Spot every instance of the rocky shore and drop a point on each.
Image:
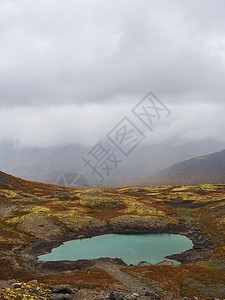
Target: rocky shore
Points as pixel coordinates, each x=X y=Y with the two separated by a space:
x=202 y=247
x=35 y=218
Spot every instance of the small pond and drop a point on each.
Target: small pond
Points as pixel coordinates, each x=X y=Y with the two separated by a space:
x=131 y=248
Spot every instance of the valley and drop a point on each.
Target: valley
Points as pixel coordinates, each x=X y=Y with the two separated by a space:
x=38 y=217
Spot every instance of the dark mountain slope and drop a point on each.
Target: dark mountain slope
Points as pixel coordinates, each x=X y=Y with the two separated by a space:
x=203 y=169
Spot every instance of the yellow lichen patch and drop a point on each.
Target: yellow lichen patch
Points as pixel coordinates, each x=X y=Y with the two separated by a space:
x=132 y=221
x=12 y=221
x=9 y=193
x=155 y=188
x=26 y=291
x=141 y=209
x=36 y=209
x=209 y=187
x=77 y=221
x=98 y=201
x=182 y=188
x=193 y=197
x=38 y=224
x=222 y=221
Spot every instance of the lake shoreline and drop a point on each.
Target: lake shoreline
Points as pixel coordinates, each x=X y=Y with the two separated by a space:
x=132 y=248
x=201 y=249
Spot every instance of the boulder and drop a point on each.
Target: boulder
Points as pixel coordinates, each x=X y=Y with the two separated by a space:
x=62 y=297
x=149 y=296
x=62 y=289
x=134 y=296
x=34 y=281
x=142 y=264
x=165 y=263
x=152 y=296
x=116 y=296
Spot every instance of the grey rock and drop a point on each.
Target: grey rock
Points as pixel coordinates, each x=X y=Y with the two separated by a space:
x=149 y=295
x=62 y=297
x=165 y=263
x=134 y=296
x=34 y=281
x=142 y=264
x=13 y=281
x=34 y=291
x=17 y=285
x=62 y=289
x=115 y=296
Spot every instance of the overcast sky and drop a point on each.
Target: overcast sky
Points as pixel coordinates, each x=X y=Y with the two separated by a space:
x=70 y=70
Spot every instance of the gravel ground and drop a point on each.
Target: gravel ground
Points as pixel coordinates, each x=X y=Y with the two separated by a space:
x=133 y=284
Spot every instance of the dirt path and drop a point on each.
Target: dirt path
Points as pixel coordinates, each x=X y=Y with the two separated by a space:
x=131 y=283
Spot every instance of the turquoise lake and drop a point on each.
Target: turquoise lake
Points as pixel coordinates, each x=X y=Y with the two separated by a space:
x=131 y=248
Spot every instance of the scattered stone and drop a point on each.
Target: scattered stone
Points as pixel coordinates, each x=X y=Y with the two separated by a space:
x=142 y=264
x=80 y=236
x=5 y=284
x=34 y=291
x=115 y=296
x=13 y=281
x=165 y=263
x=62 y=289
x=62 y=297
x=17 y=285
x=34 y=281
x=149 y=296
x=134 y=296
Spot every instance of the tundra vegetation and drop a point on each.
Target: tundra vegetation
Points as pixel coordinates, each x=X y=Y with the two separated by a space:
x=31 y=211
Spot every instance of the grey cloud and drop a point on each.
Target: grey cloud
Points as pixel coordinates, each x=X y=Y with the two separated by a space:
x=86 y=125
x=92 y=51
x=64 y=56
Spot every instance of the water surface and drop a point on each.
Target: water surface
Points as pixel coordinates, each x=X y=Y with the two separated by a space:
x=131 y=248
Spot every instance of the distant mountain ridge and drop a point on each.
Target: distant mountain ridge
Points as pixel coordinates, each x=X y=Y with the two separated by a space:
x=48 y=165
x=202 y=169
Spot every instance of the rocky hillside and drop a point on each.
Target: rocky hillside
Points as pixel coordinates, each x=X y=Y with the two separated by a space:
x=35 y=217
x=199 y=170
